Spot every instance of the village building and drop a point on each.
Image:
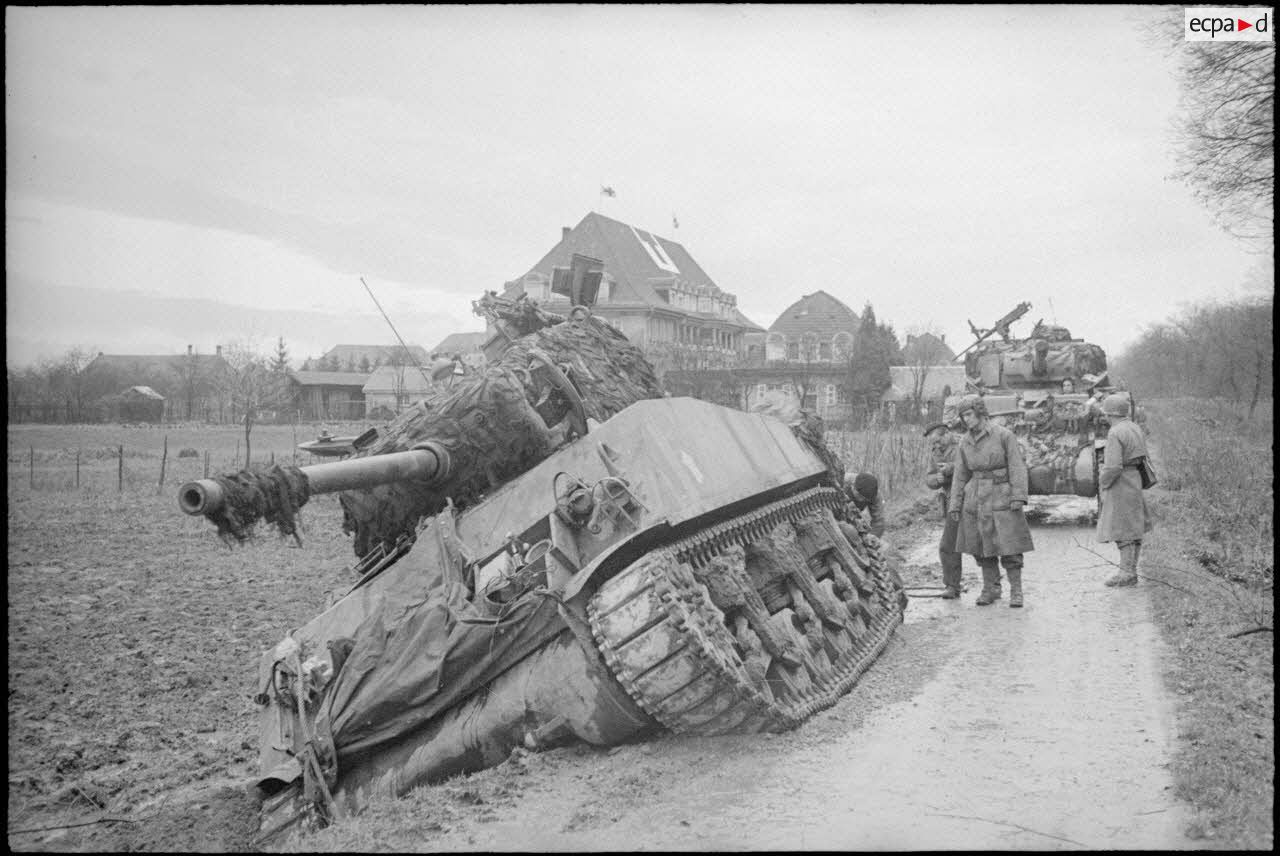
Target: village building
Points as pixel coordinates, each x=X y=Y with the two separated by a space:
x=923 y=387
x=651 y=289
x=927 y=349
x=135 y=404
x=328 y=396
x=804 y=356
x=190 y=385
x=467 y=346
x=390 y=389
x=802 y=360
x=365 y=358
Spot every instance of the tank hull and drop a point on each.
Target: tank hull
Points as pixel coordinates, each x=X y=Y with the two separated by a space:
x=681 y=567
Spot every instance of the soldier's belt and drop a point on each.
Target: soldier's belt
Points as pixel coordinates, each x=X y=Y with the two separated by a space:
x=998 y=475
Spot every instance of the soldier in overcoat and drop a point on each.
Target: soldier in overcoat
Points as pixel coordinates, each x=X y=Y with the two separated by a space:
x=942 y=457
x=1124 y=518
x=988 y=492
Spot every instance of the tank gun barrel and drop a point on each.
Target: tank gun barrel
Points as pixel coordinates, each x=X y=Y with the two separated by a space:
x=426 y=463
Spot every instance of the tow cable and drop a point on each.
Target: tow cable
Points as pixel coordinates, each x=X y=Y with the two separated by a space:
x=924 y=591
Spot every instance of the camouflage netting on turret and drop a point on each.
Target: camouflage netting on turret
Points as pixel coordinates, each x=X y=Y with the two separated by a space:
x=272 y=494
x=500 y=423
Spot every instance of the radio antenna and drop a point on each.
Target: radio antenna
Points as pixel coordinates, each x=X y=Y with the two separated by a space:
x=408 y=353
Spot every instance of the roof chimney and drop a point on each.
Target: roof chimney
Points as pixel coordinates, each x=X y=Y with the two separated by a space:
x=188 y=350
x=564 y=232
x=219 y=347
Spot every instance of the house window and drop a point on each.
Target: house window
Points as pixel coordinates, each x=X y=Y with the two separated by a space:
x=824 y=351
x=775 y=347
x=793 y=350
x=788 y=388
x=831 y=394
x=843 y=344
x=761 y=391
x=810 y=347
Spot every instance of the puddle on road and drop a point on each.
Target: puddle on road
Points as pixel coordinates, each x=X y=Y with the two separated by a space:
x=928 y=609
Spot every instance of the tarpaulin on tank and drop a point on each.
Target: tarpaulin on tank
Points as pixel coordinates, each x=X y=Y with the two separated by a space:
x=1040 y=360
x=413 y=660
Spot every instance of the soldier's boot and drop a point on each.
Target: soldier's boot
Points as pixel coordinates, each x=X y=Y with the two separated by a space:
x=1128 y=573
x=950 y=574
x=990 y=581
x=1015 y=586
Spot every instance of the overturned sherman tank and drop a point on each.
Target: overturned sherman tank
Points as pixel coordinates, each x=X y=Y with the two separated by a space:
x=554 y=551
x=1047 y=388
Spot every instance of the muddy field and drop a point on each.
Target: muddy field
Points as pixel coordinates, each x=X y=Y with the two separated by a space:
x=133 y=633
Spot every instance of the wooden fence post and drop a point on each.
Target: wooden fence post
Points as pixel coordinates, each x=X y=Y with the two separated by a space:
x=206 y=463
x=164 y=456
x=31 y=473
x=77 y=469
x=120 y=472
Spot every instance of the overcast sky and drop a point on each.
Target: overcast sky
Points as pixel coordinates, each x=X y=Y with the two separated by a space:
x=196 y=176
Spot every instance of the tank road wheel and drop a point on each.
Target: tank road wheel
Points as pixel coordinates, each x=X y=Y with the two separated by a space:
x=754 y=624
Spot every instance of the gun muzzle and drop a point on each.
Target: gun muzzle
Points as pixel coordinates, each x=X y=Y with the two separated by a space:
x=427 y=463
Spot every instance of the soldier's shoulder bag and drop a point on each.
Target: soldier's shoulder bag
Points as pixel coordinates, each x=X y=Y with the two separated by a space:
x=1147 y=473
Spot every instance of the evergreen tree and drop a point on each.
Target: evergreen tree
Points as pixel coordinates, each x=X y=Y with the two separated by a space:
x=280 y=359
x=874 y=346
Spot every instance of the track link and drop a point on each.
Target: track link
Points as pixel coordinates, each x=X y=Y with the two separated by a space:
x=753 y=624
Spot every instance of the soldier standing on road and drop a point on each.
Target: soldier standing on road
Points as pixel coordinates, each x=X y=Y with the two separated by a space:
x=864 y=495
x=1124 y=517
x=942 y=450
x=988 y=491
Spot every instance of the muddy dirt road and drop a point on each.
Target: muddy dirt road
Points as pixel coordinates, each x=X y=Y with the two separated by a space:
x=1046 y=727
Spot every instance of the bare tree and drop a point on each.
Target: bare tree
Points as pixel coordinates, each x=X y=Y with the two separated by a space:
x=925 y=350
x=250 y=386
x=1224 y=132
x=193 y=381
x=1213 y=350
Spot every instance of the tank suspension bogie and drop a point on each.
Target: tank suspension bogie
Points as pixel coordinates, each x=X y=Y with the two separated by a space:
x=689 y=633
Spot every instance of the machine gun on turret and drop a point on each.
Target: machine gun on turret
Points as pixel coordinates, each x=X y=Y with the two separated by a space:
x=1001 y=326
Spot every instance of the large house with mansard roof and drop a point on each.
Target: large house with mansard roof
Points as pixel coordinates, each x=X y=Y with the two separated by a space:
x=651 y=289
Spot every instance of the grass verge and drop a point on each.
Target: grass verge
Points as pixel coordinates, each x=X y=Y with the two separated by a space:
x=1209 y=571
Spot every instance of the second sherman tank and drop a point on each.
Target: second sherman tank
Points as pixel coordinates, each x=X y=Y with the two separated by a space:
x=1047 y=387
x=555 y=551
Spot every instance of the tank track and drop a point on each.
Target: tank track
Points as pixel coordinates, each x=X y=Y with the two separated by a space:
x=752 y=625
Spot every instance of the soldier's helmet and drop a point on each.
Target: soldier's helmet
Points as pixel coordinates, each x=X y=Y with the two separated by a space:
x=1115 y=405
x=974 y=403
